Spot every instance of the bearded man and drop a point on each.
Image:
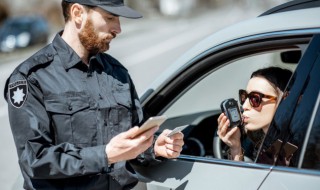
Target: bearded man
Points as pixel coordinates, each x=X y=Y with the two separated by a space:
x=74 y=110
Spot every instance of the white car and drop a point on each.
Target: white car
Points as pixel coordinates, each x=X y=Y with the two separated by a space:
x=190 y=93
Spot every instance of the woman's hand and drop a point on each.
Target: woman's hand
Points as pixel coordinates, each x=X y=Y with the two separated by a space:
x=230 y=136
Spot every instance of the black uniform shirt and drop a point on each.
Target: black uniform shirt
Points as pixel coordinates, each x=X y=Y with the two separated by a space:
x=63 y=113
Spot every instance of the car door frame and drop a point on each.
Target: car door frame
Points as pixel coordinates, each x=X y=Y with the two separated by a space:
x=183 y=172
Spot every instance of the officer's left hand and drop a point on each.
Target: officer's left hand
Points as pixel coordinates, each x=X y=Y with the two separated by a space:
x=169 y=147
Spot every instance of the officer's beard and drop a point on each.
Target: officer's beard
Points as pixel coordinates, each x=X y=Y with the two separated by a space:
x=91 y=40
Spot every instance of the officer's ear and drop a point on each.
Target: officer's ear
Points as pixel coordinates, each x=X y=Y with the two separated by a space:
x=78 y=14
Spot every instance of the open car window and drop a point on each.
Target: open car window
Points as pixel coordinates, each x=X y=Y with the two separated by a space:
x=224 y=82
x=194 y=95
x=202 y=100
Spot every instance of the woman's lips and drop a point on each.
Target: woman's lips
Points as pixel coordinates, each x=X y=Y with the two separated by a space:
x=245 y=119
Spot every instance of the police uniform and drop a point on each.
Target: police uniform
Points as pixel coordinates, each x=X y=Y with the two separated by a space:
x=63 y=113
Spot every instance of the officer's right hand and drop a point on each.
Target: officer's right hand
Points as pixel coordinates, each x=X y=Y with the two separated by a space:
x=127 y=145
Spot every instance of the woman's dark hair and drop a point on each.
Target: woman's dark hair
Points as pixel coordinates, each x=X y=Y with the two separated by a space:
x=277 y=76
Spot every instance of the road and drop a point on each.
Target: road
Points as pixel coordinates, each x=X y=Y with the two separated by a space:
x=146 y=47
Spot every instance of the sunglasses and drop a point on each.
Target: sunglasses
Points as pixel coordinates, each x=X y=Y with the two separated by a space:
x=255 y=98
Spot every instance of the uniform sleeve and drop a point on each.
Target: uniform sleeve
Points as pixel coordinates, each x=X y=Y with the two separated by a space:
x=34 y=137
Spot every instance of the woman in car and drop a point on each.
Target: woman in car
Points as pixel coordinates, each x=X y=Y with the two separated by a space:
x=259 y=101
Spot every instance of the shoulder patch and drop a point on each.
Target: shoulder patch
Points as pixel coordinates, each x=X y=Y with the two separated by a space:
x=18 y=92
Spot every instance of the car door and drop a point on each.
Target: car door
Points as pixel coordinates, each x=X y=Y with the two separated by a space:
x=293 y=137
x=193 y=97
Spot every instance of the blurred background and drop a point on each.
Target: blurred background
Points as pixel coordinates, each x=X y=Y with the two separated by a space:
x=146 y=46
x=168 y=29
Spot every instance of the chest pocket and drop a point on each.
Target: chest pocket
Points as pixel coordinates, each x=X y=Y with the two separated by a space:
x=119 y=117
x=121 y=93
x=72 y=118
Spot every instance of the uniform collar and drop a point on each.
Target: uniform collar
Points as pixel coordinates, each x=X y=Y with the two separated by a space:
x=68 y=56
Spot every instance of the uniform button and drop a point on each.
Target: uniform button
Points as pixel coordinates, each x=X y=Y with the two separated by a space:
x=70 y=108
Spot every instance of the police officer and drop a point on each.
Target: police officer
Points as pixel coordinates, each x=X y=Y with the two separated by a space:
x=73 y=108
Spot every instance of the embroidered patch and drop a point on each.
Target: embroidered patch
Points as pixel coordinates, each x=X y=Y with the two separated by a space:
x=18 y=92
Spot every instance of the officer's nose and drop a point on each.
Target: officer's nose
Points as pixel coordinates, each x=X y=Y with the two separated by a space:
x=116 y=29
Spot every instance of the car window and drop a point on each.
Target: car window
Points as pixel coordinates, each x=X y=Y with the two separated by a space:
x=193 y=96
x=224 y=83
x=202 y=100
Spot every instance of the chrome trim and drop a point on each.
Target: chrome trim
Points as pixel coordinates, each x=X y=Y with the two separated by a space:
x=224 y=162
x=296 y=170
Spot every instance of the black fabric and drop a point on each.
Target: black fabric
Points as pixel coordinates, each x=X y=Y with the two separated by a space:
x=70 y=113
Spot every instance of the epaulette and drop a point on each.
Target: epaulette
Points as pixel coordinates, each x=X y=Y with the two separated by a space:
x=42 y=57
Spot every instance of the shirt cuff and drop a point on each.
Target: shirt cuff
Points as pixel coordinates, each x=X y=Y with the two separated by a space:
x=95 y=160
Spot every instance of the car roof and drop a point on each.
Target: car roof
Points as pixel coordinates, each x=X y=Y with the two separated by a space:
x=293 y=5
x=275 y=22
